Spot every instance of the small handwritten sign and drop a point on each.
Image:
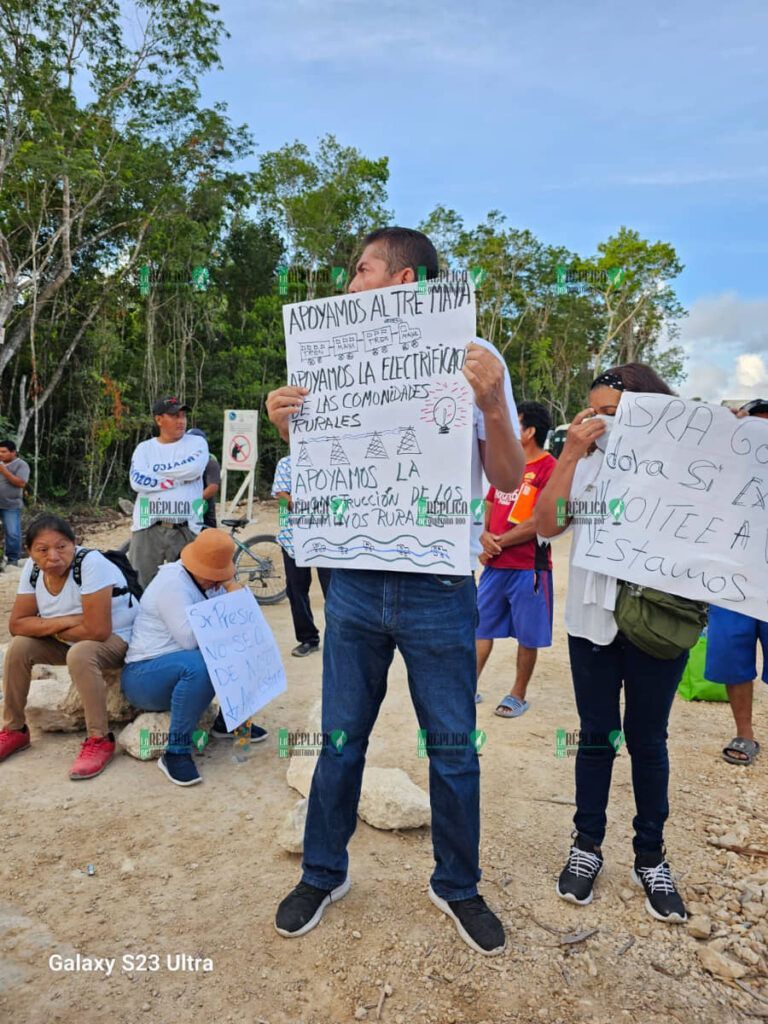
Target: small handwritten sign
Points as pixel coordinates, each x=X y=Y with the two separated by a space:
x=686 y=486
x=240 y=652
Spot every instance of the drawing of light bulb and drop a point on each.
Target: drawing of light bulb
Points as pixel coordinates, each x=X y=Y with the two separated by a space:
x=444 y=413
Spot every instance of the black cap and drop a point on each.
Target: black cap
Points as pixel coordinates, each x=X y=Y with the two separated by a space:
x=755 y=407
x=169 y=405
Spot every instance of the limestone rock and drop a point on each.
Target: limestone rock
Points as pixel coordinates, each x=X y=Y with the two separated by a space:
x=300 y=772
x=389 y=799
x=699 y=926
x=290 y=835
x=118 y=708
x=47 y=709
x=719 y=964
x=146 y=736
x=315 y=717
x=55 y=705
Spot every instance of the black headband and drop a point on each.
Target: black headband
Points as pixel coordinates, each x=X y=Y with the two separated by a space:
x=608 y=380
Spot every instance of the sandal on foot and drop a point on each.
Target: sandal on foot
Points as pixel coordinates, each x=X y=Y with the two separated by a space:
x=511 y=707
x=749 y=748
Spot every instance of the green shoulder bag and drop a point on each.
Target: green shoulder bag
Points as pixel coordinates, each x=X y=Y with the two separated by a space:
x=662 y=625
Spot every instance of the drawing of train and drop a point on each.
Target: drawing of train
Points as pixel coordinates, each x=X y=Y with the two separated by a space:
x=345 y=346
x=393 y=332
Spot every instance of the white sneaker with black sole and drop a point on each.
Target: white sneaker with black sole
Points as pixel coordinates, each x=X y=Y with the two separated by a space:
x=475 y=922
x=304 y=906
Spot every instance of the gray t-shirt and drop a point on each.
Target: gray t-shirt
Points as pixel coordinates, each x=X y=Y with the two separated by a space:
x=10 y=496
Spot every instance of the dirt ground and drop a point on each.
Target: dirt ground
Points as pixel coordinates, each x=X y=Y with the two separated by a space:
x=199 y=872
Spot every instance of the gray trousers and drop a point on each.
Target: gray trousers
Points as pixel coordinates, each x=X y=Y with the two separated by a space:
x=158 y=543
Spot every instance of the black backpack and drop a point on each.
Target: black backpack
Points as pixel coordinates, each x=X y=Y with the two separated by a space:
x=118 y=558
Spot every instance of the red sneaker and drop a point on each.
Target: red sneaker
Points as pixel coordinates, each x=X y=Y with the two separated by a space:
x=95 y=754
x=12 y=740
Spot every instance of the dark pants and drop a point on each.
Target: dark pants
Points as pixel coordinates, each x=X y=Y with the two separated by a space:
x=431 y=621
x=298 y=580
x=649 y=689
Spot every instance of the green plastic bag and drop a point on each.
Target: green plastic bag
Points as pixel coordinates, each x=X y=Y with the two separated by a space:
x=693 y=685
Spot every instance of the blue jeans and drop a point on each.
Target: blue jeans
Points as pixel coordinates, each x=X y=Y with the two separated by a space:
x=649 y=689
x=178 y=681
x=431 y=620
x=11 y=520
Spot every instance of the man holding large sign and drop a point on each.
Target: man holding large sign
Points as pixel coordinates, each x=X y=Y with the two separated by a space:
x=403 y=602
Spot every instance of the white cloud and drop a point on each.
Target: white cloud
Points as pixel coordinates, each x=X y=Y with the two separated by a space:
x=725 y=339
x=751 y=371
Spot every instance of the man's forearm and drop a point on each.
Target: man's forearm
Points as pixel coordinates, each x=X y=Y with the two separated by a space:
x=519 y=535
x=545 y=516
x=14 y=481
x=36 y=625
x=503 y=456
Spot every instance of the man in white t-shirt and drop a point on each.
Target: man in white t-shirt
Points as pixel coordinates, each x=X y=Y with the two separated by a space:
x=167 y=474
x=431 y=620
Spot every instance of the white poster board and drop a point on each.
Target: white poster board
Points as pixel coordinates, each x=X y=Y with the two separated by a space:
x=240 y=653
x=241 y=432
x=380 y=453
x=684 y=488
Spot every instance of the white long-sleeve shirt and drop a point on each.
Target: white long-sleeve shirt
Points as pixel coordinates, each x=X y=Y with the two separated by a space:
x=169 y=481
x=162 y=627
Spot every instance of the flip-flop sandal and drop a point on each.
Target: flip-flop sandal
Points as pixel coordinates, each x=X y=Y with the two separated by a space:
x=514 y=706
x=749 y=748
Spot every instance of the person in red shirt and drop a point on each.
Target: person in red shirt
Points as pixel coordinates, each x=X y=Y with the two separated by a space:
x=514 y=596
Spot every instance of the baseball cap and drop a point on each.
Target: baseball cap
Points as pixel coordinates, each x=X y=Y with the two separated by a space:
x=169 y=405
x=755 y=407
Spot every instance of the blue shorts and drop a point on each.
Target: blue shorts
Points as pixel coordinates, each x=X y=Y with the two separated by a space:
x=517 y=603
x=732 y=646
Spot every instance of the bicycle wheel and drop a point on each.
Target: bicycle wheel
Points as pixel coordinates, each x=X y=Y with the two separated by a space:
x=259 y=565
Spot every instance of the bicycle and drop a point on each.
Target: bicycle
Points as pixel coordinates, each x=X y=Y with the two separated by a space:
x=258 y=563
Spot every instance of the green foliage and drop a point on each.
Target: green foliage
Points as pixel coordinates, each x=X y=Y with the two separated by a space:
x=108 y=204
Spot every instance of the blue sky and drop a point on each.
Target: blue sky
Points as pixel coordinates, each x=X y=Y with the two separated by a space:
x=571 y=118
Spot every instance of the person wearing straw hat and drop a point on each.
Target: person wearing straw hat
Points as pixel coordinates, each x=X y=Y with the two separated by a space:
x=164 y=668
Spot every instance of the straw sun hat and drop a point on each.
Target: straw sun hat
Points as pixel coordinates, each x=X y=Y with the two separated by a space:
x=210 y=555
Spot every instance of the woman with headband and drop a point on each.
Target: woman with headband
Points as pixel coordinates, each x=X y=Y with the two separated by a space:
x=603 y=661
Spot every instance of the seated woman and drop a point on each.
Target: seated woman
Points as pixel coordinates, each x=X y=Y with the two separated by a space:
x=56 y=621
x=164 y=667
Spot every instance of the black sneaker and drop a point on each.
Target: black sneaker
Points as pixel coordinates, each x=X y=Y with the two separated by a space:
x=475 y=922
x=304 y=649
x=577 y=879
x=219 y=730
x=179 y=768
x=302 y=908
x=662 y=900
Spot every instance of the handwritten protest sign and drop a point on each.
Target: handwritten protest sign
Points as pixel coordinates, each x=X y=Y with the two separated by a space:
x=684 y=489
x=240 y=653
x=381 y=451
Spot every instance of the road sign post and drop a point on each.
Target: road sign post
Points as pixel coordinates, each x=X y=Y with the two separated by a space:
x=240 y=455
